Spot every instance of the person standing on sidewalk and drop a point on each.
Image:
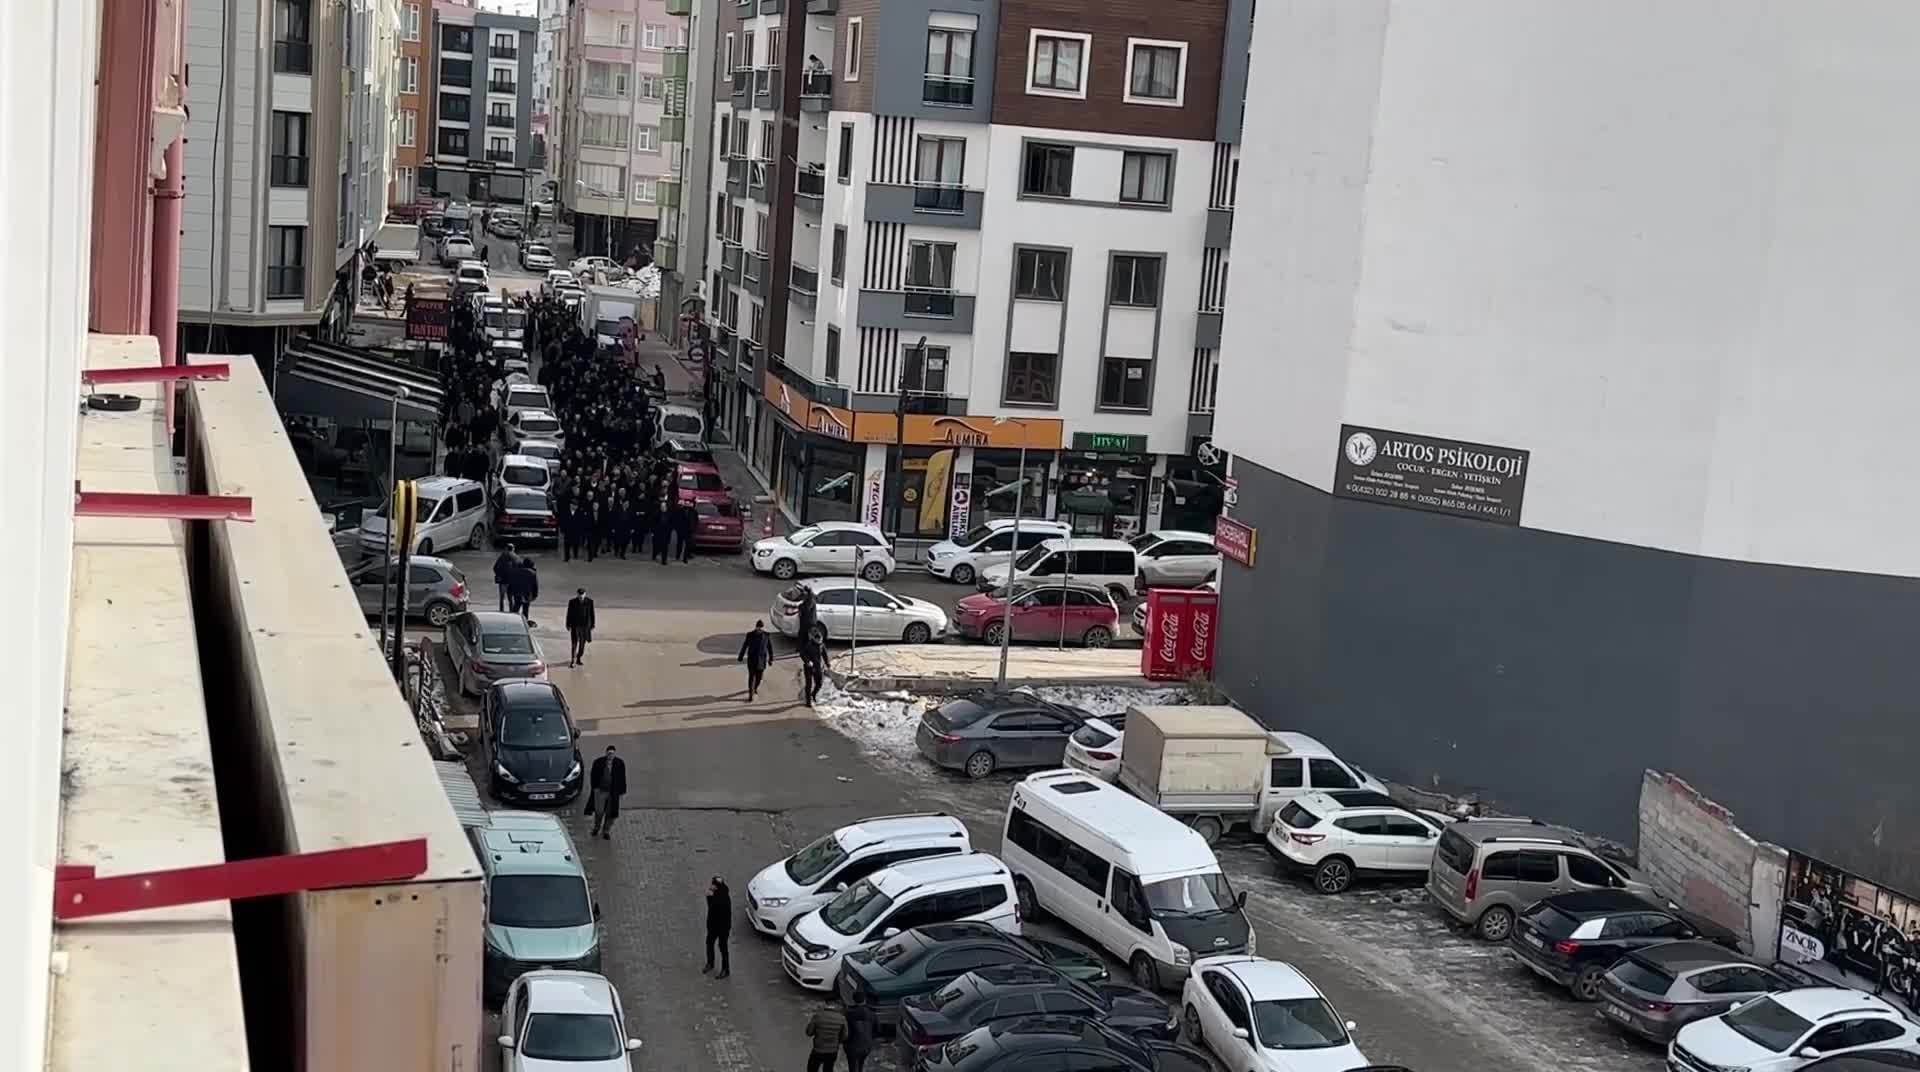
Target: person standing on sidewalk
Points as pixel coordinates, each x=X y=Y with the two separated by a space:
x=662 y=529
x=828 y=1028
x=580 y=625
x=813 y=666
x=606 y=784
x=503 y=573
x=756 y=650
x=719 y=926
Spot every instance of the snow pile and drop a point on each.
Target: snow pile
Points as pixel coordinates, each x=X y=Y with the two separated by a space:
x=644 y=283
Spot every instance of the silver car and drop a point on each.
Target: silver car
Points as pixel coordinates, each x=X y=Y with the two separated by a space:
x=487 y=646
x=881 y=615
x=436 y=589
x=1171 y=559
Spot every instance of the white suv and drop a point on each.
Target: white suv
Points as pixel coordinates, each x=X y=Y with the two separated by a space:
x=818 y=873
x=831 y=547
x=947 y=890
x=1336 y=836
x=1791 y=1030
x=991 y=544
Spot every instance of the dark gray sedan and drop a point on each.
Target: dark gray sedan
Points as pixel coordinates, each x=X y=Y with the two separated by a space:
x=487 y=646
x=1656 y=990
x=436 y=589
x=984 y=733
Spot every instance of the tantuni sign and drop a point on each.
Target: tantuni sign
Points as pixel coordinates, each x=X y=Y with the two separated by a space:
x=1445 y=476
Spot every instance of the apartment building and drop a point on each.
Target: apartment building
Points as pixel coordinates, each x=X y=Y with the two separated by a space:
x=481 y=74
x=954 y=230
x=680 y=250
x=289 y=149
x=412 y=101
x=626 y=64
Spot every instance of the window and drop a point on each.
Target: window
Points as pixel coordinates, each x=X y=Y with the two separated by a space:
x=853 y=50
x=505 y=46
x=1126 y=383
x=409 y=75
x=1328 y=774
x=455 y=107
x=500 y=150
x=413 y=22
x=289 y=148
x=602 y=129
x=292 y=40
x=930 y=279
x=286 y=262
x=644 y=190
x=757 y=322
x=456 y=39
x=1155 y=71
x=1134 y=281
x=846 y=153
x=452 y=142
x=838 y=265
x=1032 y=380
x=604 y=180
x=1288 y=774
x=1057 y=63
x=932 y=380
x=723 y=136
x=655 y=37
x=1040 y=274
x=776 y=46
x=456 y=72
x=833 y=353
x=1536 y=867
x=762 y=231
x=1048 y=171
x=605 y=80
x=1144 y=178
x=646 y=139
x=501 y=81
x=949 y=74
x=746 y=50
x=938 y=168
x=499 y=114
x=649 y=87
x=740 y=149
x=1589 y=872
x=729 y=60
x=766 y=141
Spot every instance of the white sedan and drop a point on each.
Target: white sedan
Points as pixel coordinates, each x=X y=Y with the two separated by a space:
x=585 y=266
x=1264 y=1016
x=1095 y=746
x=830 y=547
x=571 y=1019
x=841 y=606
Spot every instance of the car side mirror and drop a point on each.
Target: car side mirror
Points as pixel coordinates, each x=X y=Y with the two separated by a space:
x=1241 y=1033
x=1809 y=1051
x=506 y=1042
x=633 y=1044
x=1240 y=900
x=1351 y=1025
x=888 y=933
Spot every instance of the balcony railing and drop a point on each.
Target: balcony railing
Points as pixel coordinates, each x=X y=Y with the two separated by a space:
x=289 y=170
x=939 y=197
x=680 y=8
x=293 y=57
x=816 y=84
x=499 y=86
x=730 y=255
x=456 y=78
x=500 y=156
x=947 y=89
x=673 y=62
x=286 y=281
x=806 y=280
x=763 y=80
x=929 y=301
x=504 y=52
x=494 y=120
x=742 y=80
x=810 y=181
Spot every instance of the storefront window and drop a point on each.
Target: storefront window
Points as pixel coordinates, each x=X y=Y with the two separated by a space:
x=832 y=484
x=791 y=482
x=1104 y=495
x=996 y=481
x=763 y=441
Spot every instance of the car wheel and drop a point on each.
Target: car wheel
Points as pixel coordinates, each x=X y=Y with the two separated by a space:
x=963 y=574
x=785 y=569
x=1495 y=924
x=874 y=572
x=995 y=633
x=1097 y=637
x=1120 y=594
x=1208 y=828
x=1030 y=910
x=438 y=614
x=1586 y=985
x=1333 y=875
x=917 y=633
x=477 y=538
x=980 y=764
x=1190 y=1023
x=1146 y=975
x=426 y=548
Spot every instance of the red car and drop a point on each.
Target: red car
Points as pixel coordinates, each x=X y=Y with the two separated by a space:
x=700 y=482
x=1082 y=614
x=717 y=526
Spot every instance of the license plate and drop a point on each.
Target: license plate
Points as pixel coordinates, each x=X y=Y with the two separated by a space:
x=1614 y=1011
x=1536 y=941
x=539 y=796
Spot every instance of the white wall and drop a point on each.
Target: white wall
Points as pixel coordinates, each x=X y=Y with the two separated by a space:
x=215 y=202
x=843 y=206
x=1666 y=248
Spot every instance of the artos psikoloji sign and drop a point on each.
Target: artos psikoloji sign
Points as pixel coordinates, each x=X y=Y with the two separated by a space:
x=1445 y=476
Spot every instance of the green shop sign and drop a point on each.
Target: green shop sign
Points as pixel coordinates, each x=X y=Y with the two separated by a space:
x=1107 y=443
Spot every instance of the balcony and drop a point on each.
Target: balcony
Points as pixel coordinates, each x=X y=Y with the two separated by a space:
x=757 y=172
x=504 y=52
x=500 y=156
x=742 y=84
x=810 y=185
x=673 y=63
x=455 y=115
x=804 y=286
x=754 y=271
x=1206 y=329
x=289 y=170
x=816 y=91
x=939 y=197
x=680 y=8
x=951 y=91
x=766 y=87
x=673 y=128
x=731 y=258
x=930 y=302
x=457 y=40
x=293 y=57
x=666 y=192
x=916 y=309
x=453 y=77
x=770 y=7
x=285 y=281
x=666 y=254
x=926 y=205
x=496 y=120
x=498 y=86
x=823 y=7
x=737 y=168
x=1219 y=228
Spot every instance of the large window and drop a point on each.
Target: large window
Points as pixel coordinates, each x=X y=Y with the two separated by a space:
x=853 y=49
x=456 y=39
x=289 y=149
x=832 y=368
x=938 y=168
x=453 y=142
x=1058 y=63
x=949 y=75
x=413 y=22
x=504 y=46
x=646 y=138
x=292 y=36
x=930 y=279
x=286 y=262
x=999 y=487
x=1135 y=281
x=604 y=130
x=606 y=80
x=846 y=153
x=456 y=72
x=604 y=180
x=1057 y=852
x=500 y=114
x=500 y=150
x=1047 y=171
x=1146 y=178
x=456 y=107
x=409 y=75
x=1126 y=383
x=1155 y=71
x=1040 y=274
x=838 y=265
x=1032 y=379
x=501 y=80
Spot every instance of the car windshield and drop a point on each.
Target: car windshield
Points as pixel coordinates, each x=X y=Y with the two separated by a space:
x=1091 y=736
x=605 y=326
x=539 y=425
x=1640 y=976
x=536 y=728
x=572 y=1036
x=516 y=320
x=1144 y=540
x=541 y=450
x=1767 y=1023
x=539 y=901
x=1297 y=1024
x=504 y=643
x=527 y=396
x=855 y=910
x=528 y=475
x=526 y=500
x=699 y=481
x=1194 y=895
x=801 y=536
x=812 y=863
x=1032 y=556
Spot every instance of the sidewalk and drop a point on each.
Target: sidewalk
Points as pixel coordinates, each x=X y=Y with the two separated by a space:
x=733 y=468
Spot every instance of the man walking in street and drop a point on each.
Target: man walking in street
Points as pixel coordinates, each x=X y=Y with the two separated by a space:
x=662 y=530
x=580 y=625
x=606 y=784
x=756 y=650
x=719 y=926
x=523 y=587
x=813 y=666
x=828 y=1028
x=862 y=1026
x=503 y=573
x=683 y=530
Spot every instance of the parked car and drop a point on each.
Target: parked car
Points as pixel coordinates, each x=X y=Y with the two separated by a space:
x=946 y=889
x=843 y=605
x=1264 y=1014
x=1317 y=835
x=455 y=248
x=545 y=449
x=523 y=515
x=828 y=865
x=990 y=544
x=1050 y=612
x=535 y=257
x=1485 y=871
x=683 y=449
x=680 y=422
x=504 y=226
x=582 y=266
x=701 y=482
x=486 y=646
x=989 y=731
x=530 y=743
x=568 y=1019
x=436 y=589
x=718 y=526
x=831 y=548
x=913 y=950
x=1174 y=559
x=529 y=424
x=1095 y=746
x=514 y=396
x=1867 y=1061
x=1791 y=1030
x=557 y=280
x=1110 y=564
x=540 y=907
x=521 y=471
x=987 y=994
x=1571 y=939
x=1050 y=1042
x=920 y=961
x=1656 y=990
x=453 y=514
x=1140 y=609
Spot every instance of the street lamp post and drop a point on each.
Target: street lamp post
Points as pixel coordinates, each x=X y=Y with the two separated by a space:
x=393 y=520
x=1006 y=599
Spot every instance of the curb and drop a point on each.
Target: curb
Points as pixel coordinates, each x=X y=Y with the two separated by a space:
x=862 y=684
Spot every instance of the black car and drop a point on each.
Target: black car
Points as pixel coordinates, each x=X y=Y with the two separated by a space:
x=985 y=995
x=530 y=743
x=1057 y=1042
x=924 y=959
x=1573 y=938
x=1866 y=1061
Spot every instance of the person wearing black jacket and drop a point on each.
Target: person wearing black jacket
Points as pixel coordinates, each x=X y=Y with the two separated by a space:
x=719 y=926
x=862 y=1026
x=503 y=573
x=809 y=613
x=580 y=625
x=606 y=784
x=523 y=587
x=622 y=525
x=662 y=530
x=596 y=527
x=683 y=529
x=756 y=650
x=813 y=665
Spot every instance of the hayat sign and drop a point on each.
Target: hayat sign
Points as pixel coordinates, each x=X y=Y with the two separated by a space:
x=1180 y=634
x=1442 y=476
x=1236 y=541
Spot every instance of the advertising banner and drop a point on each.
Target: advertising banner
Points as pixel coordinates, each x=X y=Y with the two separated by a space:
x=1851 y=932
x=429 y=319
x=1236 y=541
x=1442 y=476
x=872 y=498
x=1181 y=627
x=960 y=511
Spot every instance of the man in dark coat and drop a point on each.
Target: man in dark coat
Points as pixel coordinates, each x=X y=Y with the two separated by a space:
x=813 y=665
x=503 y=572
x=606 y=784
x=862 y=1025
x=809 y=613
x=622 y=525
x=683 y=530
x=580 y=625
x=662 y=530
x=523 y=587
x=756 y=650
x=719 y=925
x=596 y=526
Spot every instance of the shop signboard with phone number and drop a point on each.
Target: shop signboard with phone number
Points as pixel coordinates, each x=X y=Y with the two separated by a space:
x=1442 y=476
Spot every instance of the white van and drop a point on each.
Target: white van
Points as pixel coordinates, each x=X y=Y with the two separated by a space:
x=1137 y=882
x=944 y=890
x=823 y=870
x=991 y=544
x=680 y=422
x=453 y=515
x=1111 y=564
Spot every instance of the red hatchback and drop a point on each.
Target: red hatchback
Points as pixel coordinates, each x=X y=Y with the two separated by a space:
x=700 y=482
x=718 y=526
x=1079 y=614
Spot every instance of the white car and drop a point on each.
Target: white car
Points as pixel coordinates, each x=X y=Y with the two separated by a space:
x=557 y=278
x=831 y=547
x=1095 y=746
x=1264 y=1016
x=945 y=889
x=844 y=604
x=991 y=544
x=1338 y=835
x=544 y=449
x=584 y=266
x=536 y=258
x=454 y=249
x=818 y=873
x=528 y=424
x=513 y=396
x=1174 y=559
x=521 y=471
x=472 y=271
x=564 y=1019
x=1791 y=1030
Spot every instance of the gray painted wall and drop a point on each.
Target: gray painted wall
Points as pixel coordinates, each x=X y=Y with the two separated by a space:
x=895 y=204
x=900 y=48
x=484 y=24
x=1234 y=56
x=888 y=309
x=1546 y=672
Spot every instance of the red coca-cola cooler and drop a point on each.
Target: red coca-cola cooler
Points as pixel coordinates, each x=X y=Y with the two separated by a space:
x=1180 y=631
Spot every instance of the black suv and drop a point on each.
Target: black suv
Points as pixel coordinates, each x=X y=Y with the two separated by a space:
x=1004 y=991
x=1057 y=1042
x=529 y=740
x=1573 y=938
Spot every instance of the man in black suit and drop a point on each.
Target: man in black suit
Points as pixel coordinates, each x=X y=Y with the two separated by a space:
x=756 y=650
x=606 y=784
x=580 y=625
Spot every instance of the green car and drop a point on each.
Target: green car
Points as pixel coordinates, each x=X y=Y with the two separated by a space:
x=925 y=959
